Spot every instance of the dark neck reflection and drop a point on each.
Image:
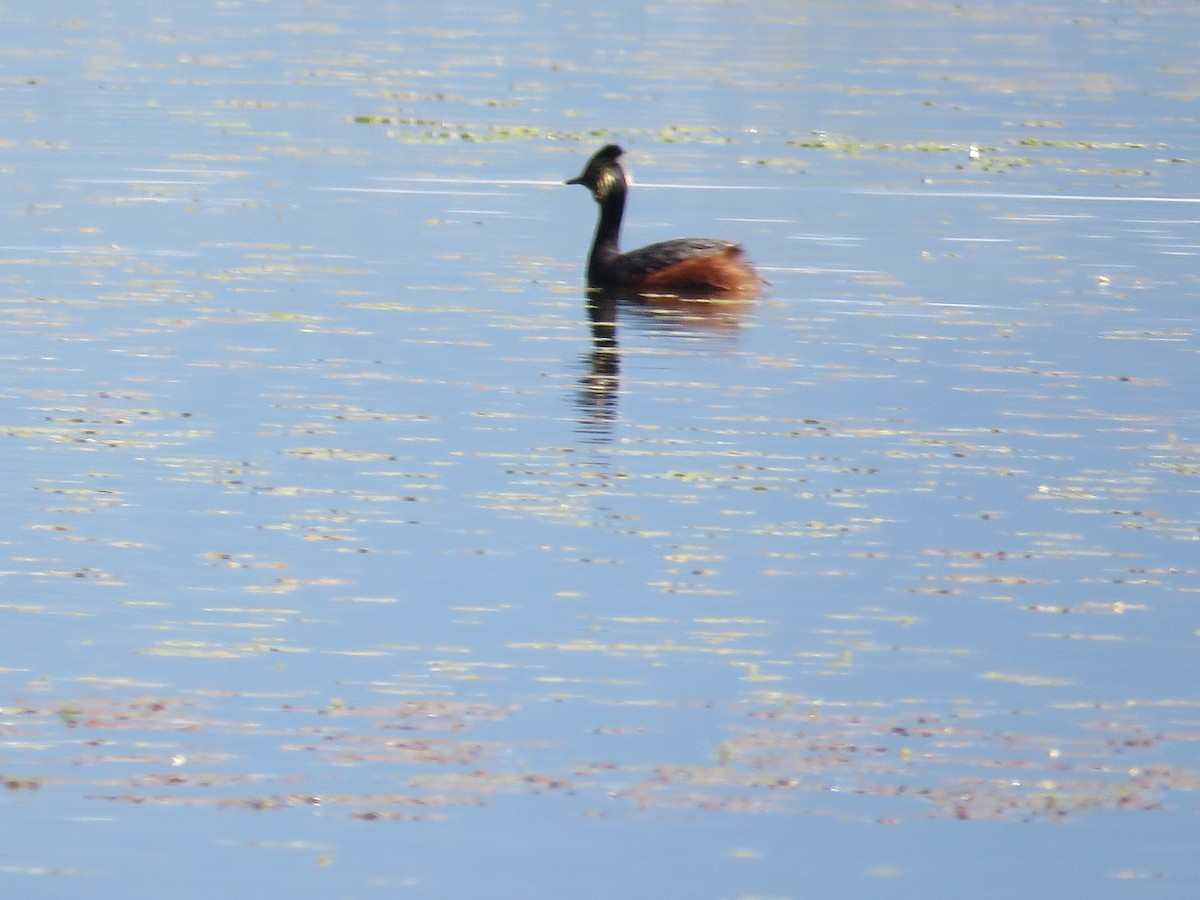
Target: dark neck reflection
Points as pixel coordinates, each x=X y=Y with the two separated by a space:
x=599 y=387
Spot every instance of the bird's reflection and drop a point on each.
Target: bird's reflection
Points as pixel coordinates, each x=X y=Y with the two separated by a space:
x=597 y=397
x=601 y=383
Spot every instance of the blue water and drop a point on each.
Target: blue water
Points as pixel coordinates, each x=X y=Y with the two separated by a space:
x=335 y=559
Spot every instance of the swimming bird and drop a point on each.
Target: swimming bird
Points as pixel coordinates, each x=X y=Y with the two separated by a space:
x=684 y=267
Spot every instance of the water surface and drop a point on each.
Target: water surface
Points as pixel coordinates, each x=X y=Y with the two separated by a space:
x=337 y=557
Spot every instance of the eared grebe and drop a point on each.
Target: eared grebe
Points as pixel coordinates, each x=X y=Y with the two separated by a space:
x=685 y=267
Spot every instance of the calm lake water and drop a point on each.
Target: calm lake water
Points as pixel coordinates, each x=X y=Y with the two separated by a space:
x=338 y=561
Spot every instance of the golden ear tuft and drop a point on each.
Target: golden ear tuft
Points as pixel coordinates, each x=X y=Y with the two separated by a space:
x=606 y=180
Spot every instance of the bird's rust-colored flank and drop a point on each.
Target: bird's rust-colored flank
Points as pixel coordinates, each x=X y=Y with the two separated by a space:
x=700 y=268
x=725 y=270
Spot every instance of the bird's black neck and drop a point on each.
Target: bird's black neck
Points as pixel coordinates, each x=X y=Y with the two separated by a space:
x=606 y=244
